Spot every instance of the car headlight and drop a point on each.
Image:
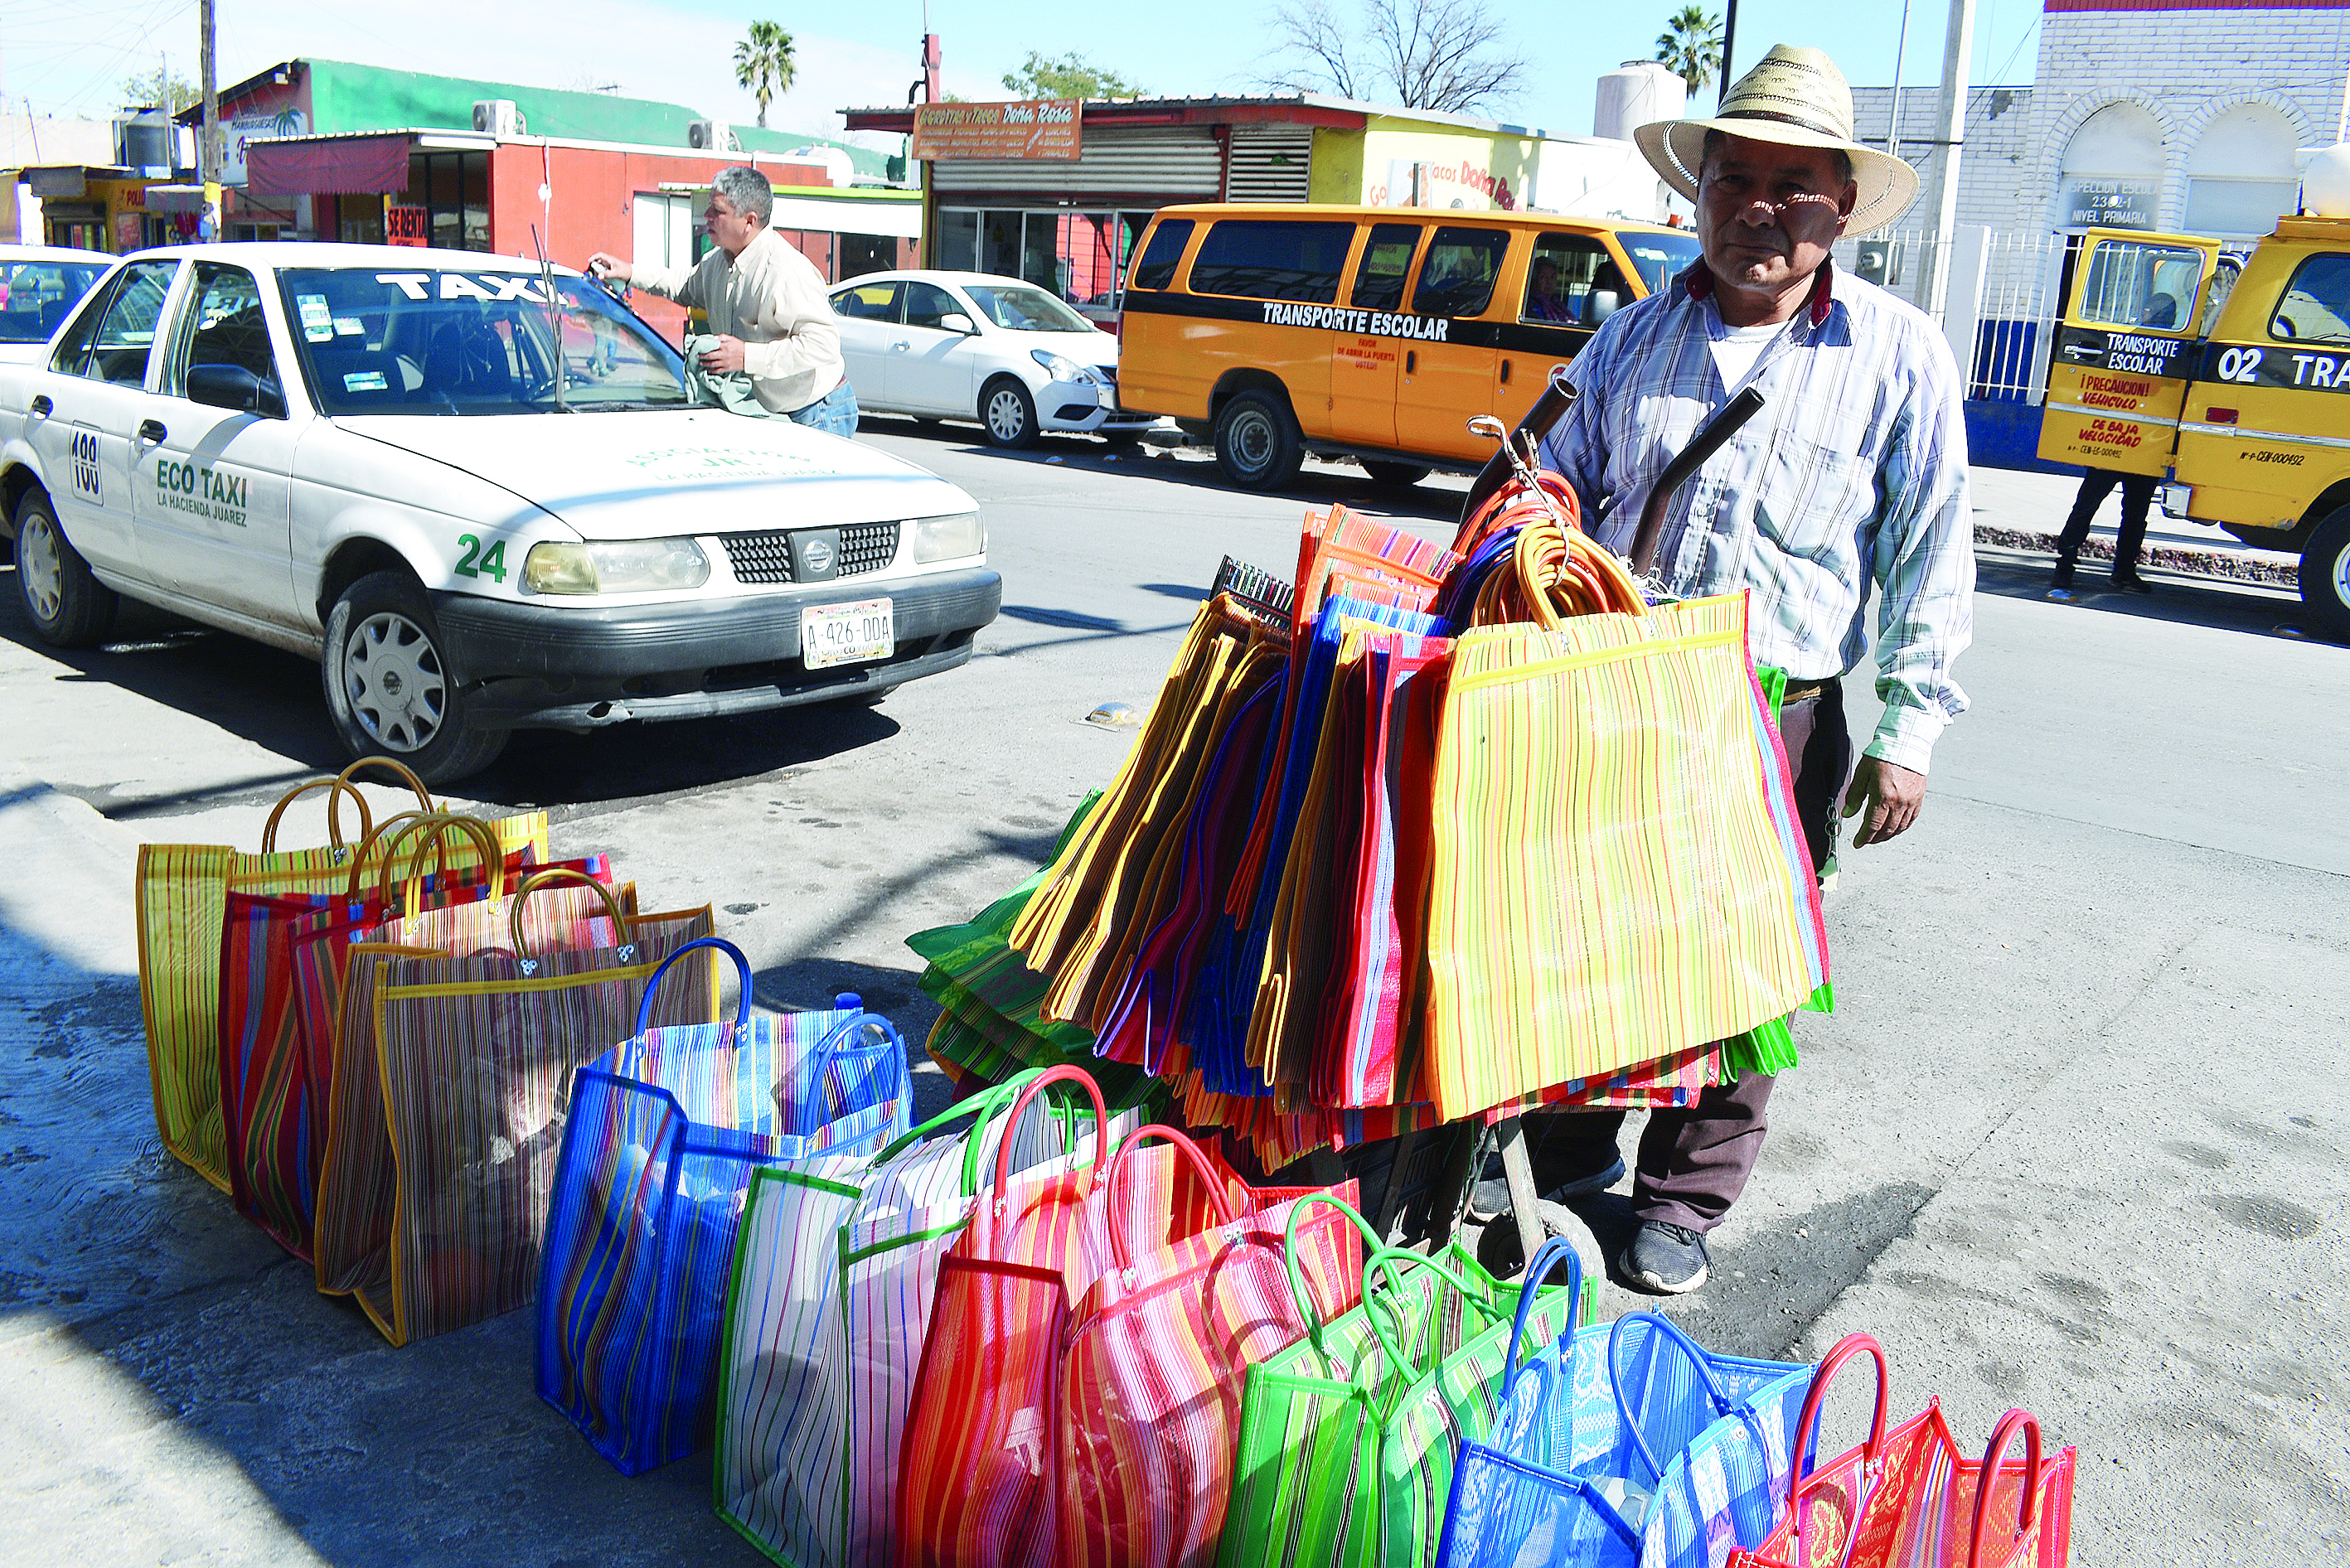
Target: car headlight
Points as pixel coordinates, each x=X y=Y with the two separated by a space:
x=1060 y=367
x=949 y=539
x=615 y=566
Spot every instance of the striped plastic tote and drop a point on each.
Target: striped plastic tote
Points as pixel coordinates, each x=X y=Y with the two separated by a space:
x=1348 y=1437
x=473 y=1061
x=1589 y=1460
x=662 y=1134
x=1157 y=1349
x=1610 y=886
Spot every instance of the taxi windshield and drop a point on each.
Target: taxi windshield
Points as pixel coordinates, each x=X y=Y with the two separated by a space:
x=380 y=340
x=1659 y=259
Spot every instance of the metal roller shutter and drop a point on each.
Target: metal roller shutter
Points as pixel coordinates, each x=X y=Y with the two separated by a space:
x=1175 y=161
x=1272 y=163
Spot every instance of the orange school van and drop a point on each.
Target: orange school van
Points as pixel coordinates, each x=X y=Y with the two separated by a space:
x=1374 y=333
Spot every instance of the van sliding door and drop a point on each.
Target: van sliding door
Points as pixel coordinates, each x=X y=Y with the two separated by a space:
x=1364 y=366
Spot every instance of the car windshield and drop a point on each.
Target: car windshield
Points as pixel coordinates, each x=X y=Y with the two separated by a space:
x=37 y=296
x=1024 y=307
x=378 y=339
x=1659 y=257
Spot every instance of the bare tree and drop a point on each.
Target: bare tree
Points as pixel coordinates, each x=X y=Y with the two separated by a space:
x=1444 y=54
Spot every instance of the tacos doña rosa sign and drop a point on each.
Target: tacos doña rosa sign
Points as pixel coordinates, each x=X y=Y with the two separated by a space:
x=1043 y=128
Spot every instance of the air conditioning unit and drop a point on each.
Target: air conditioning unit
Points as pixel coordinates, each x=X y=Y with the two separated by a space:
x=498 y=116
x=712 y=136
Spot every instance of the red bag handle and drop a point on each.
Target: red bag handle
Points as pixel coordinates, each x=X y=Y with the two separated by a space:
x=1120 y=1250
x=1806 y=1432
x=1061 y=1074
x=2001 y=1435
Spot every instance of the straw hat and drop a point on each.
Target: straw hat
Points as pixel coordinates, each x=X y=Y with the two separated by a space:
x=1797 y=98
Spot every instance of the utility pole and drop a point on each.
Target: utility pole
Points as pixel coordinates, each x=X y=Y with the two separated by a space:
x=208 y=139
x=1957 y=53
x=1893 y=120
x=1729 y=41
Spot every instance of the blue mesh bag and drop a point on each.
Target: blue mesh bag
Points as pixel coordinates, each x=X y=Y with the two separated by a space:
x=662 y=1134
x=1625 y=1444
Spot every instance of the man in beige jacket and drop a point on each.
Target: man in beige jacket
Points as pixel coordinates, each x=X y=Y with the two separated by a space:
x=765 y=301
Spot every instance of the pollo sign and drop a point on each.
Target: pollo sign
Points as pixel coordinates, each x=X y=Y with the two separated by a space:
x=1040 y=128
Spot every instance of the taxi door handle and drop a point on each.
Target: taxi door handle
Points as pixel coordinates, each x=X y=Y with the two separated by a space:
x=153 y=432
x=42 y=406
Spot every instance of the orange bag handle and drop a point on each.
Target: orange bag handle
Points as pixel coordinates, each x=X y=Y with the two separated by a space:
x=376 y=839
x=408 y=776
x=547 y=879
x=337 y=789
x=434 y=830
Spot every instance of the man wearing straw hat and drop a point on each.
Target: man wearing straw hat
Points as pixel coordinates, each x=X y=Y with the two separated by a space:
x=1854 y=473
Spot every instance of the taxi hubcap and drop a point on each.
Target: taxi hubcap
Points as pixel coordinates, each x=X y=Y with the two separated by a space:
x=391 y=674
x=38 y=563
x=1003 y=415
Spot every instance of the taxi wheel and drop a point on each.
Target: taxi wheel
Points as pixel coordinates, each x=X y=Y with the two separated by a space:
x=1258 y=444
x=389 y=687
x=68 y=607
x=2325 y=574
x=1007 y=413
x=1396 y=473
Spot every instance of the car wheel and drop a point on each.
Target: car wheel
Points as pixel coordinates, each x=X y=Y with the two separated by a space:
x=2325 y=574
x=390 y=686
x=1007 y=413
x=1258 y=444
x=68 y=607
x=1397 y=473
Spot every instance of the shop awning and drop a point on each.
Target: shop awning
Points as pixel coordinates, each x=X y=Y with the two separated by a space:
x=174 y=198
x=343 y=166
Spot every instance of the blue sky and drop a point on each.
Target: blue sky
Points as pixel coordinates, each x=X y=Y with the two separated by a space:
x=66 y=57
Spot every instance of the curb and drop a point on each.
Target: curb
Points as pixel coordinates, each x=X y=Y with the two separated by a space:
x=2231 y=566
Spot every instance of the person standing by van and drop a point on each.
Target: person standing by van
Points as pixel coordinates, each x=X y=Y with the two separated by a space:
x=765 y=301
x=1854 y=473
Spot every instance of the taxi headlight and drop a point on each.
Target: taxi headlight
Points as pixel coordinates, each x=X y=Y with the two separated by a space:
x=615 y=566
x=949 y=539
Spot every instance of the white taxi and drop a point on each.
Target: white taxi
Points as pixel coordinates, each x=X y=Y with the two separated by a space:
x=480 y=504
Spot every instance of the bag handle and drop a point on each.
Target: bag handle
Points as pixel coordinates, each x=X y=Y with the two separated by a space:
x=980 y=1104
x=1308 y=1312
x=2002 y=1434
x=1392 y=1262
x=1673 y=1337
x=1545 y=1260
x=719 y=944
x=1043 y=1081
x=548 y=879
x=407 y=776
x=336 y=789
x=434 y=830
x=1122 y=1250
x=371 y=843
x=1807 y=1432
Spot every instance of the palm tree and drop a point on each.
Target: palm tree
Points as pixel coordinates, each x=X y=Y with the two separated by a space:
x=1692 y=45
x=763 y=62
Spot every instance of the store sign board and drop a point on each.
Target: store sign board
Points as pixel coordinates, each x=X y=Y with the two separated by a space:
x=1041 y=128
x=405 y=226
x=239 y=130
x=2096 y=204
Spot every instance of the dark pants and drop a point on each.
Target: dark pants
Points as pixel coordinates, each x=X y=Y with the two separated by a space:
x=2137 y=497
x=1694 y=1163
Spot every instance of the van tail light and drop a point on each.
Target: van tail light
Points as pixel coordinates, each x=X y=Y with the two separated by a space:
x=2220 y=416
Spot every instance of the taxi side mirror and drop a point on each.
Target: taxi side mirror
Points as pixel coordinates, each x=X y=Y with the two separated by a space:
x=234 y=387
x=956 y=321
x=1599 y=305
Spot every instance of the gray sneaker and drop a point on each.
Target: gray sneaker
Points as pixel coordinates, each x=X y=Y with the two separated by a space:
x=1669 y=1259
x=1490 y=1199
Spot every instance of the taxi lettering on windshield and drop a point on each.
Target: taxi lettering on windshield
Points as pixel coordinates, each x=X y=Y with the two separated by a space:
x=1363 y=323
x=490 y=288
x=211 y=493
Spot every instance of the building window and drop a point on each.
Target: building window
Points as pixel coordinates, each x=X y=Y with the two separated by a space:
x=2113 y=172
x=1080 y=256
x=2242 y=177
x=669 y=231
x=455 y=189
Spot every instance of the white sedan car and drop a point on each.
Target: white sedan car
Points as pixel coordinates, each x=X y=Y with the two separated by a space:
x=481 y=505
x=39 y=286
x=968 y=345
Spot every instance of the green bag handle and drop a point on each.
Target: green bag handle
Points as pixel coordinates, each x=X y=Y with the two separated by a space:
x=986 y=1107
x=1308 y=1312
x=1392 y=1262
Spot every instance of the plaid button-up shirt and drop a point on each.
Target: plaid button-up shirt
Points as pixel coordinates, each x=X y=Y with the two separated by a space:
x=1853 y=471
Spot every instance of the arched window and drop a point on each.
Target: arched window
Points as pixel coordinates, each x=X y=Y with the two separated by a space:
x=2113 y=169
x=2241 y=176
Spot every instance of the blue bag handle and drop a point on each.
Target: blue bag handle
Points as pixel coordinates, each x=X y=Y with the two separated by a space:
x=1688 y=1347
x=741 y=967
x=1545 y=1258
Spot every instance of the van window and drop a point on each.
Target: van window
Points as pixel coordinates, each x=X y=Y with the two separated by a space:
x=1257 y=259
x=1379 y=281
x=2316 y=304
x=2136 y=285
x=1456 y=278
x=1658 y=259
x=1567 y=272
x=1156 y=267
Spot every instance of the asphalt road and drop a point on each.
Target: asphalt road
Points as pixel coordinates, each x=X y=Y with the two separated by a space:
x=2075 y=1139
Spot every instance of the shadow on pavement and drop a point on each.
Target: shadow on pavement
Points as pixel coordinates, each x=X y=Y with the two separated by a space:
x=2183 y=601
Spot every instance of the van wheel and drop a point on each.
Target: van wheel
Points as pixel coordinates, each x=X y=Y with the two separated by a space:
x=1007 y=413
x=2325 y=574
x=1258 y=444
x=390 y=686
x=1396 y=473
x=68 y=607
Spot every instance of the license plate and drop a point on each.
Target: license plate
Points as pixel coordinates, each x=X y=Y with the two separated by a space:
x=856 y=633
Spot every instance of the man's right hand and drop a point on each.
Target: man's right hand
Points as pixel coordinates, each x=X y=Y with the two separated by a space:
x=603 y=264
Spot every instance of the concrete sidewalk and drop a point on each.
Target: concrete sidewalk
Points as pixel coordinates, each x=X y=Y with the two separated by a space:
x=2016 y=510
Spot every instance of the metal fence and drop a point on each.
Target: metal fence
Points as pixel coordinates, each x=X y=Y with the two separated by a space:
x=2000 y=303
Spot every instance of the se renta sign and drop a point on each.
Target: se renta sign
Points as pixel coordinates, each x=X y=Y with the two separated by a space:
x=1035 y=127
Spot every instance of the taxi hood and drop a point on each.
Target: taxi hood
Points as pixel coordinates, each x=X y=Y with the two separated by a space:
x=657 y=472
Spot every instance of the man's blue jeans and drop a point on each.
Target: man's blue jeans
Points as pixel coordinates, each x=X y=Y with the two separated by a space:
x=834 y=413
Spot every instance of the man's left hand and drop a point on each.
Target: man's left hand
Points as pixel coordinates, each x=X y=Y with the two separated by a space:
x=1891 y=796
x=726 y=359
